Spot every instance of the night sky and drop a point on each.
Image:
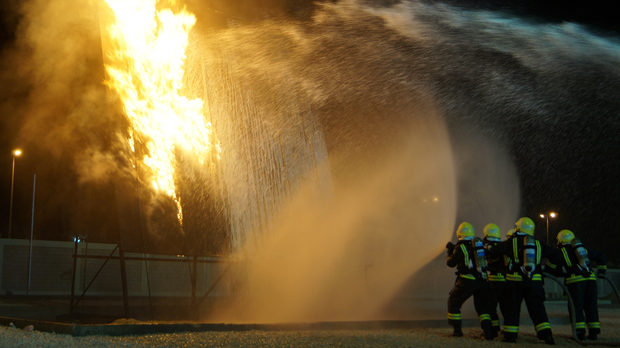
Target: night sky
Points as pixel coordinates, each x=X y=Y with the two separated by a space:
x=568 y=165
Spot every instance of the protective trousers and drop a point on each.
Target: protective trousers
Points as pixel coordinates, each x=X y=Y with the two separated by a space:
x=584 y=295
x=464 y=289
x=497 y=294
x=533 y=293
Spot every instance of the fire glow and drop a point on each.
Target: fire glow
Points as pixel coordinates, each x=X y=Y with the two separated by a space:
x=145 y=68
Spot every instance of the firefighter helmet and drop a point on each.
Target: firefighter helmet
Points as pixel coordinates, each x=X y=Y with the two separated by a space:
x=525 y=224
x=492 y=231
x=510 y=232
x=465 y=230
x=565 y=237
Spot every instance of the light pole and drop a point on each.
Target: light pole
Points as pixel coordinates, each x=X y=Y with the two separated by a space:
x=16 y=153
x=552 y=215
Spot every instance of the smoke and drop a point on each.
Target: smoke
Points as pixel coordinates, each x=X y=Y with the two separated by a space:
x=55 y=88
x=96 y=167
x=59 y=42
x=58 y=113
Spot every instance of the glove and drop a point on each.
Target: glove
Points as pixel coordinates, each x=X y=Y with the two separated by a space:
x=450 y=248
x=601 y=273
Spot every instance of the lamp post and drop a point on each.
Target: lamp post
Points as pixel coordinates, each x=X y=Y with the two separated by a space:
x=16 y=153
x=552 y=215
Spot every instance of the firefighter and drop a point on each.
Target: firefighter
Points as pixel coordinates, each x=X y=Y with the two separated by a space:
x=524 y=280
x=497 y=267
x=580 y=279
x=468 y=256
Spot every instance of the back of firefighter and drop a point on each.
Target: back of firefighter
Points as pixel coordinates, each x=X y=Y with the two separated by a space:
x=580 y=280
x=470 y=281
x=497 y=267
x=524 y=281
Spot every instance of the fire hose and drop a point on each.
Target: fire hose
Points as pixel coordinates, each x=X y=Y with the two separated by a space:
x=571 y=310
x=613 y=286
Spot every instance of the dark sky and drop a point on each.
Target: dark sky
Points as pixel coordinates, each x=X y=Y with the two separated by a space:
x=597 y=14
x=554 y=174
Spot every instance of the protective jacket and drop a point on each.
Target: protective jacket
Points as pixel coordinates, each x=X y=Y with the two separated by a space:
x=462 y=257
x=568 y=265
x=513 y=248
x=497 y=266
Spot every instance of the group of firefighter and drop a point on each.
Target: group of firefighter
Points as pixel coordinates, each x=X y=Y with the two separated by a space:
x=508 y=272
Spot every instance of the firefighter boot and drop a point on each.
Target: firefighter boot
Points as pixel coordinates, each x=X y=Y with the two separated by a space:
x=498 y=330
x=581 y=334
x=549 y=339
x=510 y=338
x=489 y=331
x=545 y=335
x=458 y=332
x=592 y=332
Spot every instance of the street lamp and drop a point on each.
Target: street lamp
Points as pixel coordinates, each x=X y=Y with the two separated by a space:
x=552 y=215
x=16 y=153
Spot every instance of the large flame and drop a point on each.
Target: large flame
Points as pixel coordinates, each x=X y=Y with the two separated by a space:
x=145 y=68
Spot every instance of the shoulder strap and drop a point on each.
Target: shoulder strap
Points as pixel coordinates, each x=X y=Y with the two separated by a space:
x=515 y=250
x=566 y=257
x=465 y=254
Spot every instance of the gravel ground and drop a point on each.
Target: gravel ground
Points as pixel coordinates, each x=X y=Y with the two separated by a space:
x=436 y=337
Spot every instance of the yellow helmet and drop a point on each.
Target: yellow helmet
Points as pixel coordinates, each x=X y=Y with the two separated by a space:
x=525 y=224
x=565 y=236
x=510 y=232
x=491 y=230
x=465 y=230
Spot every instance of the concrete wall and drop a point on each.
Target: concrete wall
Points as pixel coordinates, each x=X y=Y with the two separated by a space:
x=52 y=271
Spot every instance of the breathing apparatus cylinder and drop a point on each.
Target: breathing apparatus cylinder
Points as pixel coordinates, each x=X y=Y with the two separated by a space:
x=582 y=255
x=507 y=263
x=479 y=256
x=529 y=255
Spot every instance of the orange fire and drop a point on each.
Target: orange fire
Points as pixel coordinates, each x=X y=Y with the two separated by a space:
x=145 y=68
